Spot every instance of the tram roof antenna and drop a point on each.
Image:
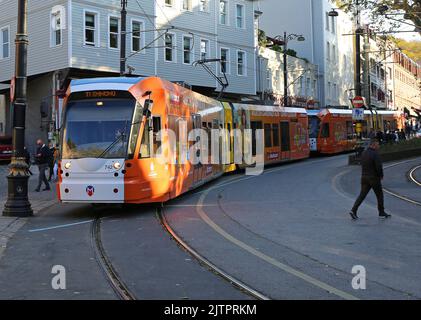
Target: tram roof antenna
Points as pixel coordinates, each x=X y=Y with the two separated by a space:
x=223 y=81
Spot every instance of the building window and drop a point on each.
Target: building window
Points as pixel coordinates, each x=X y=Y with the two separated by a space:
x=278 y=80
x=240 y=16
x=91 y=29
x=335 y=91
x=315 y=89
x=169 y=3
x=204 y=49
x=308 y=87
x=327 y=21
x=328 y=50
x=5 y=42
x=223 y=12
x=113 y=29
x=329 y=90
x=333 y=25
x=187 y=5
x=56 y=28
x=241 y=60
x=334 y=53
x=204 y=5
x=137 y=28
x=225 y=58
x=169 y=47
x=187 y=50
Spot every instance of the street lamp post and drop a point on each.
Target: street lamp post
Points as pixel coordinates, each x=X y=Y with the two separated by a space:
x=123 y=38
x=287 y=38
x=17 y=204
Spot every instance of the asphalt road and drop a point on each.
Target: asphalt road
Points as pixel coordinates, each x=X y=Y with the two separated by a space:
x=286 y=233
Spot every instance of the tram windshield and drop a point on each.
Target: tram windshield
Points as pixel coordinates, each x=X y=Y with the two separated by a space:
x=313 y=126
x=98 y=128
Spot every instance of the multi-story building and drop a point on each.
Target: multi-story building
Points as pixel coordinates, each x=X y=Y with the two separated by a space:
x=328 y=43
x=81 y=38
x=301 y=74
x=407 y=87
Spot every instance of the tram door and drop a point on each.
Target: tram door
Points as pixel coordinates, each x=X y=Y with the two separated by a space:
x=285 y=140
x=197 y=166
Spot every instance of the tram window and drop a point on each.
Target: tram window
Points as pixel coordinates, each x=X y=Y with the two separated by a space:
x=275 y=131
x=314 y=126
x=325 y=130
x=229 y=136
x=268 y=135
x=349 y=130
x=145 y=146
x=156 y=122
x=255 y=125
x=134 y=134
x=285 y=136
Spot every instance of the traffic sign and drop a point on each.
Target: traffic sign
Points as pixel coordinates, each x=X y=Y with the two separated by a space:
x=357 y=114
x=358 y=102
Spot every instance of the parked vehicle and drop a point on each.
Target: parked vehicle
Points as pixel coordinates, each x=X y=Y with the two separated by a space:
x=6 y=148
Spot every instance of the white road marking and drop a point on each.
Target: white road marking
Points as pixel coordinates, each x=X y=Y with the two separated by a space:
x=411 y=176
x=61 y=226
x=259 y=254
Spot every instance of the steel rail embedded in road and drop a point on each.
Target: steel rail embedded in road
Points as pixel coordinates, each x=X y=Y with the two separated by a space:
x=104 y=262
x=399 y=196
x=235 y=282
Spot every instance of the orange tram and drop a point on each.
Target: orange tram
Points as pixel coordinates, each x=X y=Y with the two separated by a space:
x=332 y=130
x=135 y=140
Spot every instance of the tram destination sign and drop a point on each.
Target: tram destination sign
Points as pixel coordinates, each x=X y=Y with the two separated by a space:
x=101 y=94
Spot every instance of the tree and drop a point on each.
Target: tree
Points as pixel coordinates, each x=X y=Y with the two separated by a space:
x=411 y=48
x=398 y=10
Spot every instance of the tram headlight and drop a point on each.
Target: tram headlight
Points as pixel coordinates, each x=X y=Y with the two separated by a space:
x=117 y=165
x=68 y=165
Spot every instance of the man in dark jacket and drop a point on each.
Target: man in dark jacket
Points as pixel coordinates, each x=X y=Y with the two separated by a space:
x=42 y=158
x=371 y=177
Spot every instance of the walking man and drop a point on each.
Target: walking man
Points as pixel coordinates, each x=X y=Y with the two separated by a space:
x=42 y=157
x=371 y=178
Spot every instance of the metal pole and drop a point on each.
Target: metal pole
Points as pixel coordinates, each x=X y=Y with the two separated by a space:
x=123 y=38
x=17 y=204
x=285 y=71
x=357 y=51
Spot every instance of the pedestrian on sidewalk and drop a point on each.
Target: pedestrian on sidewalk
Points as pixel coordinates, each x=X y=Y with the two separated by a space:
x=371 y=178
x=51 y=163
x=42 y=157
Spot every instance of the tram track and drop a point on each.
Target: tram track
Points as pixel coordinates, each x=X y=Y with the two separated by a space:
x=411 y=178
x=113 y=278
x=202 y=260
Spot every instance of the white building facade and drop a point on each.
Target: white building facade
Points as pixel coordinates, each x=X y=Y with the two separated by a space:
x=328 y=43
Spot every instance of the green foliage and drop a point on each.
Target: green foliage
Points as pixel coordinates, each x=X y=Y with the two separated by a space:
x=401 y=146
x=410 y=7
x=411 y=48
x=262 y=38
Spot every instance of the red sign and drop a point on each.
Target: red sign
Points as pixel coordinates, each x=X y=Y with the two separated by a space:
x=358 y=102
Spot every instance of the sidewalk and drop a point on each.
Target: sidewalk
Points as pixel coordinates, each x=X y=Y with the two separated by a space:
x=39 y=201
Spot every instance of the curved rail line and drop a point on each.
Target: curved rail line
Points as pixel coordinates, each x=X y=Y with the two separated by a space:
x=235 y=282
x=399 y=196
x=104 y=262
